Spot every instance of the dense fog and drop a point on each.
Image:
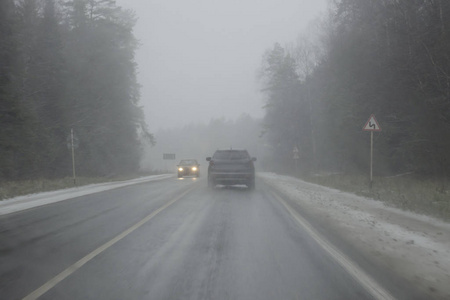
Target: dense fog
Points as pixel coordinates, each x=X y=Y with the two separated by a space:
x=201 y=140
x=361 y=58
x=72 y=65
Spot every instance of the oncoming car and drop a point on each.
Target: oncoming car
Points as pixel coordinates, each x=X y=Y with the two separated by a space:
x=188 y=167
x=231 y=167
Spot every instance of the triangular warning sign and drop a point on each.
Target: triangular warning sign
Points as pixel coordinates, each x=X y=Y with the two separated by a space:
x=372 y=124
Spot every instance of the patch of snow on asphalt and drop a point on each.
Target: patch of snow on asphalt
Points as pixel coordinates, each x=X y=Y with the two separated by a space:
x=29 y=201
x=415 y=246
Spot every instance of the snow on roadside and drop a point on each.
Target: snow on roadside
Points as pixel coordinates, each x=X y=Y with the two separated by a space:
x=416 y=246
x=16 y=204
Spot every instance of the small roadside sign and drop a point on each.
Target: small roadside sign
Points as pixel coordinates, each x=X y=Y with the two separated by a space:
x=169 y=156
x=72 y=141
x=372 y=124
x=295 y=153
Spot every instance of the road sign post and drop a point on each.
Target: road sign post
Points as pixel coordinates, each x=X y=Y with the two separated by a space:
x=73 y=156
x=296 y=157
x=168 y=156
x=371 y=125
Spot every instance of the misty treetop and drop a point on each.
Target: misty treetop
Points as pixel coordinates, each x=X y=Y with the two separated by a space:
x=68 y=64
x=389 y=58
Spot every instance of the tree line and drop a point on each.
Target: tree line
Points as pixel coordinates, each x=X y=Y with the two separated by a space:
x=68 y=65
x=389 y=58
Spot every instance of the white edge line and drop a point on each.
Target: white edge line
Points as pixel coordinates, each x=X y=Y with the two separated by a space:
x=73 y=268
x=354 y=270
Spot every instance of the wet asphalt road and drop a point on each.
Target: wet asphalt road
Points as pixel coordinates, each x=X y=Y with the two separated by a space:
x=222 y=244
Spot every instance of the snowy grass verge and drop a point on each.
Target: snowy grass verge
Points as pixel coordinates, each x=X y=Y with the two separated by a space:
x=415 y=246
x=43 y=198
x=11 y=189
x=424 y=196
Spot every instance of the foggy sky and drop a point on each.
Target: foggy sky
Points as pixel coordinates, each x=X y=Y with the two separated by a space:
x=198 y=59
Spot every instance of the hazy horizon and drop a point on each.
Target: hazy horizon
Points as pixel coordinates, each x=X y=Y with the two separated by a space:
x=199 y=60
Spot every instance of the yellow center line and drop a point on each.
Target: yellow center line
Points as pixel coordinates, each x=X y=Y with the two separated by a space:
x=73 y=268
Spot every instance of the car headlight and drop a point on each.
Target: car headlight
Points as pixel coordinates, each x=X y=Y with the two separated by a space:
x=194 y=168
x=180 y=169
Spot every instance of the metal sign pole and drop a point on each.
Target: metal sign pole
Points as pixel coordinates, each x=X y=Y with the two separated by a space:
x=168 y=156
x=73 y=157
x=296 y=157
x=371 y=125
x=371 y=158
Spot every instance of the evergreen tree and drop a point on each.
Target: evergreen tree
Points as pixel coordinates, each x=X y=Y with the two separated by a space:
x=68 y=64
x=103 y=91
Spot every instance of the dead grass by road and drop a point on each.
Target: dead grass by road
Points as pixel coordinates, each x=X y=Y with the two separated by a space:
x=424 y=196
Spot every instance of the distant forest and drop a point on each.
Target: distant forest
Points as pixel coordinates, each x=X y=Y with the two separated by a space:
x=68 y=65
x=199 y=141
x=390 y=58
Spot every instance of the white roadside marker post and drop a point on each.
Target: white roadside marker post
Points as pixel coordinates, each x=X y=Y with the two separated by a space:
x=72 y=144
x=73 y=157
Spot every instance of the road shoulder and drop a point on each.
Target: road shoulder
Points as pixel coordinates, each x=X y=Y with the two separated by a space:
x=414 y=246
